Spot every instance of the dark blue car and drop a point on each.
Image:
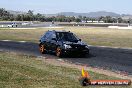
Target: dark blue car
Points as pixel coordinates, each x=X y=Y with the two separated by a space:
x=62 y=43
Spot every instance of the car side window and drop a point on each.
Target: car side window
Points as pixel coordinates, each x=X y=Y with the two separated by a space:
x=60 y=36
x=57 y=35
x=49 y=36
x=53 y=35
x=46 y=35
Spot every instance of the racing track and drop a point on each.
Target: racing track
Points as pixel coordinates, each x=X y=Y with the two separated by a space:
x=108 y=58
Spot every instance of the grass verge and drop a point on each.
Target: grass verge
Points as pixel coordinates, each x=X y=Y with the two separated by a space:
x=23 y=71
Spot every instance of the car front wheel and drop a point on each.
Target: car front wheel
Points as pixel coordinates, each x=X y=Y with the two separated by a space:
x=58 y=52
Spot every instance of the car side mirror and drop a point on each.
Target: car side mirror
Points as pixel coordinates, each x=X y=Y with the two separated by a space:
x=80 y=40
x=54 y=39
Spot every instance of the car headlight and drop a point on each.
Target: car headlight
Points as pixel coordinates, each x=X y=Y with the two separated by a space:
x=67 y=46
x=87 y=47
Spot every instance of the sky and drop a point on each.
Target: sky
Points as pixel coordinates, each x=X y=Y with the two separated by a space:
x=80 y=6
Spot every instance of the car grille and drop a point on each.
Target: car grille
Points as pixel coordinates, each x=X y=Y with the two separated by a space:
x=79 y=47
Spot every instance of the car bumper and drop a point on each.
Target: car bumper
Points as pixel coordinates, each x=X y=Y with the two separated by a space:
x=75 y=52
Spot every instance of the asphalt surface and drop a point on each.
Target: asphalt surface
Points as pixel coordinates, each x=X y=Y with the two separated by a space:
x=48 y=24
x=29 y=25
x=106 y=58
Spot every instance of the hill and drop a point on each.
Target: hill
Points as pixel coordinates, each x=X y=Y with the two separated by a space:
x=90 y=14
x=16 y=12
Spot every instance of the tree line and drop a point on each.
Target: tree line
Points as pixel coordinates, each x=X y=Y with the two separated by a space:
x=30 y=16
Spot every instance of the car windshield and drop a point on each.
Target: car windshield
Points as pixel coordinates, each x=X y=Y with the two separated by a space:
x=66 y=36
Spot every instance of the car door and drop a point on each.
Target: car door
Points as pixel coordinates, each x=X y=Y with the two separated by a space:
x=48 y=41
x=53 y=41
x=45 y=40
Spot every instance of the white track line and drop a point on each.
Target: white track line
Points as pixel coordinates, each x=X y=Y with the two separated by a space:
x=15 y=41
x=23 y=28
x=22 y=41
x=59 y=59
x=110 y=47
x=6 y=40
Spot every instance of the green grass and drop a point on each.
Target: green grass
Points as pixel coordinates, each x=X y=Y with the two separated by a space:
x=105 y=37
x=92 y=36
x=23 y=71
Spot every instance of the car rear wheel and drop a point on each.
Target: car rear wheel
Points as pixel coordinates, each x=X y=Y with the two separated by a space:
x=42 y=49
x=58 y=52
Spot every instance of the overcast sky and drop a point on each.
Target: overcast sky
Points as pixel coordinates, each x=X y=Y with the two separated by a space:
x=55 y=6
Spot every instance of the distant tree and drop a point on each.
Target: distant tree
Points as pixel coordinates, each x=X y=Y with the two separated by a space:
x=84 y=18
x=101 y=18
x=2 y=12
x=30 y=12
x=120 y=20
x=72 y=18
x=78 y=20
x=5 y=15
x=108 y=19
x=19 y=18
x=93 y=19
x=114 y=20
x=80 y=17
x=30 y=15
x=38 y=17
x=61 y=18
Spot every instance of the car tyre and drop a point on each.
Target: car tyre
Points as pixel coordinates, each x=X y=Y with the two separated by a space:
x=58 y=52
x=42 y=48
